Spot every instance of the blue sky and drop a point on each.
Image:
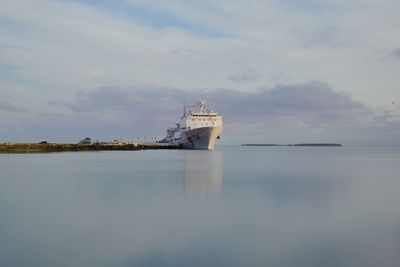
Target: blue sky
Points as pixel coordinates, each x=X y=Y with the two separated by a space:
x=56 y=55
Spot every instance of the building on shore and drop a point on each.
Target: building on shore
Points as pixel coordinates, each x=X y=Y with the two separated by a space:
x=86 y=141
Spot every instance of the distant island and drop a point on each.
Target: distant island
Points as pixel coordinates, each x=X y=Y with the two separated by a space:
x=305 y=144
x=318 y=144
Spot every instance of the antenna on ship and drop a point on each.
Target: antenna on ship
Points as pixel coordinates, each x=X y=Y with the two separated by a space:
x=202 y=105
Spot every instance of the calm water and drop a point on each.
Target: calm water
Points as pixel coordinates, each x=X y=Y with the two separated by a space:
x=238 y=206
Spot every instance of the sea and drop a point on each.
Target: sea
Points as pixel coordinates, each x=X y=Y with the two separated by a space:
x=234 y=206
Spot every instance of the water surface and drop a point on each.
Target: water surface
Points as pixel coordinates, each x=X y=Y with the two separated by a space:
x=236 y=206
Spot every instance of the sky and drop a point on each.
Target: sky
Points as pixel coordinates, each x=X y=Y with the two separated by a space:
x=279 y=71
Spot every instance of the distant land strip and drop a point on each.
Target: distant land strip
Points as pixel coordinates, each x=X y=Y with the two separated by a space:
x=47 y=148
x=306 y=144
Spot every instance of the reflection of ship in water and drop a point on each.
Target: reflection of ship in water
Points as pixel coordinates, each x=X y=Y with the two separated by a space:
x=203 y=173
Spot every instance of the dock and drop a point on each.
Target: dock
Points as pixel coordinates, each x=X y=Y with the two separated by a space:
x=49 y=148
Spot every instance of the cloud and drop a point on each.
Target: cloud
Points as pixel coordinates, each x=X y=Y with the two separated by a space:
x=11 y=107
x=313 y=98
x=396 y=53
x=247 y=76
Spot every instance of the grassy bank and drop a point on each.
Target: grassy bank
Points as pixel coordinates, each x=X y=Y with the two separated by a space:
x=46 y=148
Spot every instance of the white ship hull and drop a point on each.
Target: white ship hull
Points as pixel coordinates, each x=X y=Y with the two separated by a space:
x=200 y=138
x=198 y=128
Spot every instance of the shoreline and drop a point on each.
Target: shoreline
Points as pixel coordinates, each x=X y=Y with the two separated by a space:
x=49 y=148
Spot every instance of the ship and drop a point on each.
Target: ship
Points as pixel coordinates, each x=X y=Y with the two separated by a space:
x=198 y=128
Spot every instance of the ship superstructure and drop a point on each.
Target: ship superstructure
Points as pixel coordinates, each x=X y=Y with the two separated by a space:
x=198 y=128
